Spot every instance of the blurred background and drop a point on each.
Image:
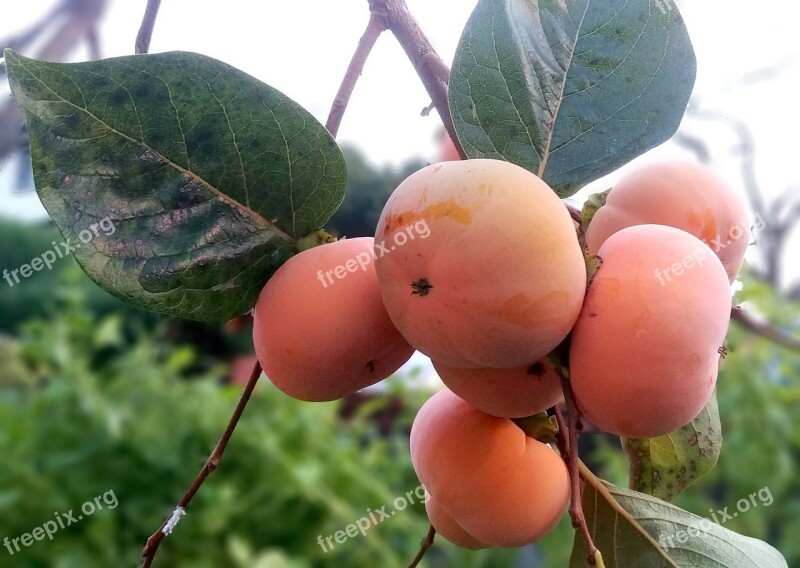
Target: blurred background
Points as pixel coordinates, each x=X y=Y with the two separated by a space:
x=96 y=396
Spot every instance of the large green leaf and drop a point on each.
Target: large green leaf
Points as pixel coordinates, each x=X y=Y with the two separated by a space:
x=665 y=466
x=208 y=175
x=635 y=530
x=570 y=90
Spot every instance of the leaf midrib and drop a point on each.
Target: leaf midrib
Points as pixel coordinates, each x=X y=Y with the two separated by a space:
x=549 y=143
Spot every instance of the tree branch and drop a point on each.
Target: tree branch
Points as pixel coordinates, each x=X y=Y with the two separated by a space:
x=375 y=28
x=426 y=544
x=213 y=461
x=435 y=74
x=763 y=328
x=148 y=23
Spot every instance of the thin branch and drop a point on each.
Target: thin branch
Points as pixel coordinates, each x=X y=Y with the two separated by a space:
x=562 y=436
x=146 y=29
x=573 y=465
x=435 y=74
x=763 y=328
x=213 y=461
x=375 y=28
x=426 y=544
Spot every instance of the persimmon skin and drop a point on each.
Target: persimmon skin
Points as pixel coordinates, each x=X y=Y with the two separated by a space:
x=501 y=487
x=644 y=353
x=499 y=280
x=506 y=393
x=683 y=195
x=448 y=528
x=319 y=343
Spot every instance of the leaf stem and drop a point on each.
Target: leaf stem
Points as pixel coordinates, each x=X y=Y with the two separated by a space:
x=213 y=461
x=375 y=27
x=427 y=542
x=148 y=23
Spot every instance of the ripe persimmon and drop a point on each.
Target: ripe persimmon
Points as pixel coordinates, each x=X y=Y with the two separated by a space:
x=319 y=327
x=500 y=278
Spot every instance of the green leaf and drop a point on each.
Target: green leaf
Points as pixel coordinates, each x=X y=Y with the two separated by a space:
x=570 y=90
x=665 y=466
x=188 y=180
x=635 y=530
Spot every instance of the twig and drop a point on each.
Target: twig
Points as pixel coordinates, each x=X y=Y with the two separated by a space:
x=151 y=548
x=572 y=460
x=146 y=29
x=562 y=435
x=435 y=74
x=375 y=28
x=426 y=544
x=763 y=328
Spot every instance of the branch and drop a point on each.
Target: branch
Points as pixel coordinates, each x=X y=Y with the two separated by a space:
x=146 y=29
x=435 y=74
x=426 y=544
x=573 y=464
x=763 y=328
x=213 y=461
x=375 y=28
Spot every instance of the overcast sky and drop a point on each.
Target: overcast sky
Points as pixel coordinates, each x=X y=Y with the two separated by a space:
x=302 y=47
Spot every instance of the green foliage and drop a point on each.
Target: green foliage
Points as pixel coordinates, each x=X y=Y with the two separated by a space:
x=570 y=90
x=108 y=416
x=208 y=175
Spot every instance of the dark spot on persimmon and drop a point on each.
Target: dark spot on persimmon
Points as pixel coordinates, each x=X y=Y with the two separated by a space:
x=421 y=287
x=536 y=369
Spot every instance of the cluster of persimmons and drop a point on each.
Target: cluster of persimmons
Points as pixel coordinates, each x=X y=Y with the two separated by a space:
x=499 y=283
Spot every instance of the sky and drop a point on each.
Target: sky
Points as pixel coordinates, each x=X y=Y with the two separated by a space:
x=302 y=47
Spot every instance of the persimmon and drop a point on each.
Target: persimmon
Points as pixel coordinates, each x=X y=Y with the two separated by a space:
x=645 y=351
x=683 y=195
x=485 y=475
x=319 y=327
x=509 y=393
x=500 y=279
